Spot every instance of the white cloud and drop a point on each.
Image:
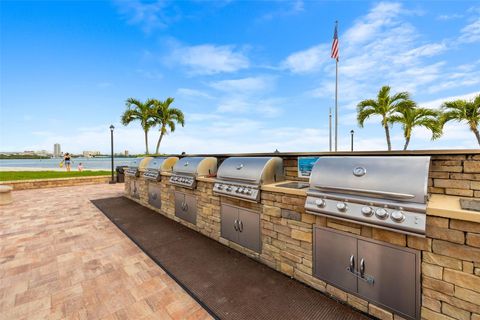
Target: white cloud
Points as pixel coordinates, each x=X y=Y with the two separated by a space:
x=244 y=85
x=308 y=60
x=294 y=8
x=193 y=93
x=435 y=104
x=367 y=27
x=268 y=107
x=383 y=48
x=471 y=32
x=148 y=15
x=209 y=59
x=447 y=17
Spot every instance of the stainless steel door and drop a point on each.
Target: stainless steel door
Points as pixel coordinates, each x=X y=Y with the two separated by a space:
x=154 y=198
x=180 y=206
x=191 y=208
x=134 y=193
x=334 y=253
x=393 y=272
x=229 y=219
x=249 y=229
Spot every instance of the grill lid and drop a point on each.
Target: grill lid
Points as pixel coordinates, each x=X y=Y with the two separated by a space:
x=253 y=170
x=140 y=163
x=395 y=178
x=196 y=166
x=162 y=164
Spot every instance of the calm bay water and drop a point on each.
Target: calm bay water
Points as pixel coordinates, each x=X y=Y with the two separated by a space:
x=88 y=163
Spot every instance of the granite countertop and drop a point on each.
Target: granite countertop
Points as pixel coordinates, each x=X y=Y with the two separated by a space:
x=273 y=187
x=449 y=207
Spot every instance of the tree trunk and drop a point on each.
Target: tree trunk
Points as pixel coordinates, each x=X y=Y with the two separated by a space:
x=407 y=141
x=477 y=134
x=160 y=139
x=387 y=134
x=146 y=141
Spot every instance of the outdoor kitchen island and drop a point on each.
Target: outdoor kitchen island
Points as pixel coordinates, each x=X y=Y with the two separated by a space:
x=449 y=256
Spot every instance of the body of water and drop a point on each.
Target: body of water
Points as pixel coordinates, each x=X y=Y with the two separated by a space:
x=54 y=164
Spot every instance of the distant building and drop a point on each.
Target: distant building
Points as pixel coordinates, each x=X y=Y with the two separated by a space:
x=126 y=153
x=57 y=152
x=89 y=154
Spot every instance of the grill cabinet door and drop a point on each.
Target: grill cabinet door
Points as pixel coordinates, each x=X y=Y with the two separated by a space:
x=333 y=252
x=191 y=208
x=180 y=206
x=249 y=230
x=394 y=272
x=154 y=198
x=134 y=192
x=229 y=216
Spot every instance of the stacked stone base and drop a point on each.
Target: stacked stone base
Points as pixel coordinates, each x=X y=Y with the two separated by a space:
x=450 y=269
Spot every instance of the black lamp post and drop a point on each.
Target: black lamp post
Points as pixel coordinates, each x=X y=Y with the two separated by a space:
x=111 y=144
x=351 y=139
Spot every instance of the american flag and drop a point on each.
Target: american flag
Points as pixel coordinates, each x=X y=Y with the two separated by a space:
x=335 y=44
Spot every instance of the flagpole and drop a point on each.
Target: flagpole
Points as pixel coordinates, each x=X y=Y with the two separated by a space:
x=336 y=104
x=330 y=128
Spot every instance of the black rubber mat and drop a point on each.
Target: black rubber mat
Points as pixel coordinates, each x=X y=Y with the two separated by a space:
x=225 y=282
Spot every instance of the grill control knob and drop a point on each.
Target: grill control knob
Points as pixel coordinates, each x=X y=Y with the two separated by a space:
x=320 y=203
x=248 y=191
x=397 y=216
x=342 y=206
x=367 y=211
x=220 y=187
x=229 y=188
x=381 y=213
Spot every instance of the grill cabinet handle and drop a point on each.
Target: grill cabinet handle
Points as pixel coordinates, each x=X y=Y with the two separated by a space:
x=351 y=267
x=374 y=193
x=235 y=225
x=362 y=267
x=240 y=225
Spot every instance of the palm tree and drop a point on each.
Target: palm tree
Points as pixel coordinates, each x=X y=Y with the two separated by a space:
x=166 y=117
x=384 y=106
x=411 y=116
x=462 y=110
x=139 y=111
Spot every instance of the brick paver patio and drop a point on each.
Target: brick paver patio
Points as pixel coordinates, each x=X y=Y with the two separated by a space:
x=61 y=258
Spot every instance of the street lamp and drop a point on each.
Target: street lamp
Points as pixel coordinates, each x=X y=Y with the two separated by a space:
x=111 y=144
x=351 y=139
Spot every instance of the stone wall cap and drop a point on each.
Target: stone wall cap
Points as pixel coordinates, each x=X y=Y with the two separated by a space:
x=5 y=189
x=449 y=207
x=340 y=153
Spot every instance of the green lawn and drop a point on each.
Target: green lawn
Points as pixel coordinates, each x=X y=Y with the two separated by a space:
x=31 y=175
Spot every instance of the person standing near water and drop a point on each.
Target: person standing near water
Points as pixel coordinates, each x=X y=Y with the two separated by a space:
x=67 y=160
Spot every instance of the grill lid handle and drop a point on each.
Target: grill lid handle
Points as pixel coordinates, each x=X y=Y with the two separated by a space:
x=368 y=192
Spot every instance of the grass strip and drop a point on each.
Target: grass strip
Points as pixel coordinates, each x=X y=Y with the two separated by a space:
x=36 y=175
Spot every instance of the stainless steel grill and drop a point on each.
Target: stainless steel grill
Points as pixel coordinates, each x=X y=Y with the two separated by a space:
x=137 y=165
x=241 y=177
x=387 y=192
x=187 y=169
x=158 y=165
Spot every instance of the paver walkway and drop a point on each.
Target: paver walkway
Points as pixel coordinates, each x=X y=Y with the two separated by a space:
x=61 y=258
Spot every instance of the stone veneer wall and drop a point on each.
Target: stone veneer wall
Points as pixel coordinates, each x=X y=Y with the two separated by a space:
x=450 y=253
x=53 y=183
x=450 y=257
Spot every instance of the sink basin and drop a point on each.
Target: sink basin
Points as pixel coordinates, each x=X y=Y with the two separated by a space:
x=294 y=185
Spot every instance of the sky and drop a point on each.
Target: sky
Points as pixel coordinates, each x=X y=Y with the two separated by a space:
x=250 y=76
